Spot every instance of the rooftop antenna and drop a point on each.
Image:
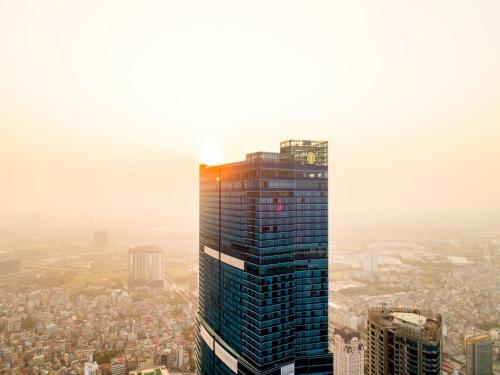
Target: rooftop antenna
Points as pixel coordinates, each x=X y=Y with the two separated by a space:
x=91 y=219
x=487 y=256
x=384 y=309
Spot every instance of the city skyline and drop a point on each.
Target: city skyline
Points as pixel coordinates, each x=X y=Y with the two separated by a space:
x=276 y=187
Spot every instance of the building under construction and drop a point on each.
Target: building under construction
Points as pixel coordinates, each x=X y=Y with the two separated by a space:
x=403 y=341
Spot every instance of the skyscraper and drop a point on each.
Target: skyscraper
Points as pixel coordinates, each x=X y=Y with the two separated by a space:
x=145 y=266
x=348 y=351
x=101 y=238
x=370 y=260
x=479 y=354
x=403 y=342
x=264 y=263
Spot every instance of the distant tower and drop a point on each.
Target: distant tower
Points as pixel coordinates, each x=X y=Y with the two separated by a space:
x=487 y=256
x=101 y=238
x=348 y=352
x=371 y=260
x=146 y=266
x=479 y=354
x=91 y=218
x=403 y=341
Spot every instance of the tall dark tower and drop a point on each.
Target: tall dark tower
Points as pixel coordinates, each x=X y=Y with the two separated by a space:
x=264 y=263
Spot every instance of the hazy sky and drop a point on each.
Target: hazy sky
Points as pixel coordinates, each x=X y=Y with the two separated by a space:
x=112 y=104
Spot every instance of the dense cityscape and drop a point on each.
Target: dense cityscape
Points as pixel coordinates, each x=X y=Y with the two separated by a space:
x=91 y=305
x=51 y=322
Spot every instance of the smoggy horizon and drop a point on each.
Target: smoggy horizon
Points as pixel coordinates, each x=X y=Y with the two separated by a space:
x=108 y=114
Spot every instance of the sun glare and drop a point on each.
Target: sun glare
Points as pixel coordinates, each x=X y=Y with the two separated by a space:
x=211 y=156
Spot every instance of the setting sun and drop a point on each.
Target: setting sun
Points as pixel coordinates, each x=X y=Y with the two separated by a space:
x=211 y=156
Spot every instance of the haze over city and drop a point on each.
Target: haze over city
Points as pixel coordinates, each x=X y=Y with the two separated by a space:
x=249 y=188
x=111 y=106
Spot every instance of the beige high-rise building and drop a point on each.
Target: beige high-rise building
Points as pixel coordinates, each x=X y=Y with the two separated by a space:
x=146 y=266
x=348 y=352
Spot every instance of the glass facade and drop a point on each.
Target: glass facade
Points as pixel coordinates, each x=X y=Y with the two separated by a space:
x=479 y=354
x=263 y=252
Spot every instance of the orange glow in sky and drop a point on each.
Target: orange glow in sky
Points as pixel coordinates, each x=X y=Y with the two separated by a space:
x=102 y=103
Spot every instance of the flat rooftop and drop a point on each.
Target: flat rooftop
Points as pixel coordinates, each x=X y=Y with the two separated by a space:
x=474 y=339
x=411 y=318
x=411 y=322
x=145 y=249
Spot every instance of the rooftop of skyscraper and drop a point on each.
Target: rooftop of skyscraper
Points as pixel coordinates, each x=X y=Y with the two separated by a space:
x=410 y=318
x=346 y=333
x=477 y=338
x=424 y=325
x=306 y=151
x=145 y=249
